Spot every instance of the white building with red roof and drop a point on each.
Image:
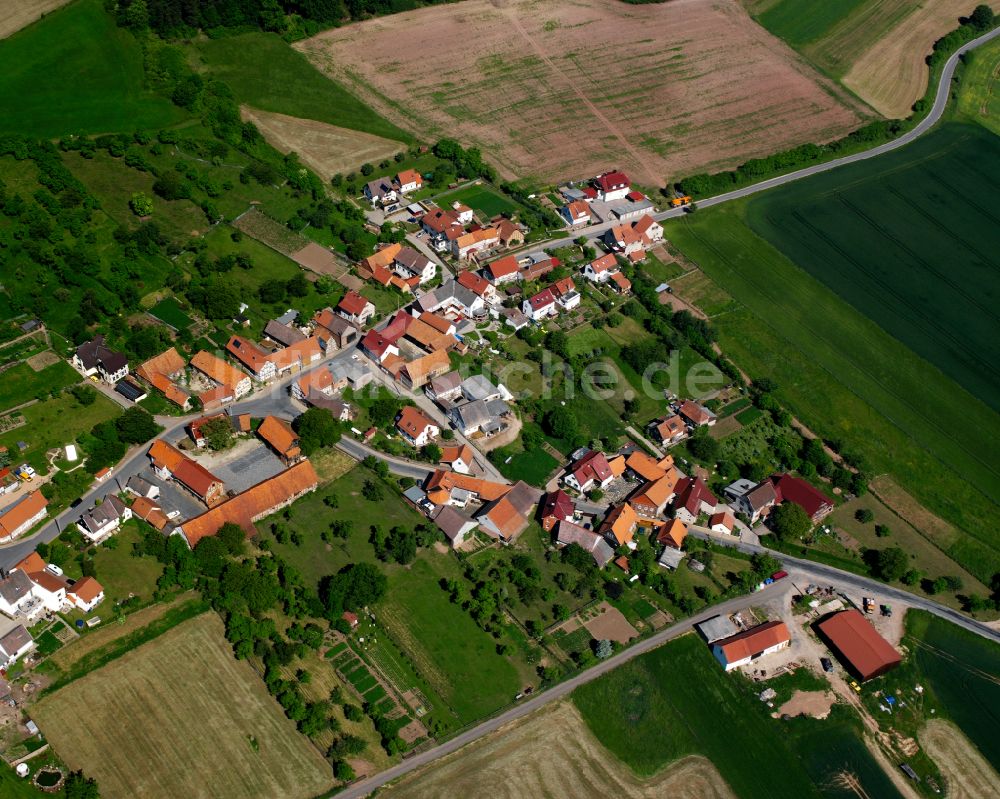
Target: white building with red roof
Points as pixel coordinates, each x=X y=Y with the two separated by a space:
x=601 y=269
x=416 y=427
x=591 y=470
x=612 y=186
x=355 y=308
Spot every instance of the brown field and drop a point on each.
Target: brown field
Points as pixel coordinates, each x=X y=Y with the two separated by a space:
x=611 y=624
x=17 y=14
x=180 y=716
x=326 y=149
x=553 y=754
x=890 y=74
x=568 y=88
x=969 y=774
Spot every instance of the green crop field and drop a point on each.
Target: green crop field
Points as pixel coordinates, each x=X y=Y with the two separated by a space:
x=799 y=22
x=75 y=71
x=170 y=312
x=911 y=241
x=644 y=714
x=979 y=91
x=822 y=353
x=488 y=202
x=266 y=73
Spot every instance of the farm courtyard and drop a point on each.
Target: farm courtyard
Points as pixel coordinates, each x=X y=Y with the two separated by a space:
x=181 y=717
x=566 y=89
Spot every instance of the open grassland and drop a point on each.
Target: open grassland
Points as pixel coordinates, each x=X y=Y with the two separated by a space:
x=76 y=72
x=327 y=149
x=553 y=754
x=17 y=14
x=646 y=714
x=912 y=241
x=568 y=88
x=823 y=354
x=265 y=73
x=979 y=91
x=181 y=717
x=22 y=383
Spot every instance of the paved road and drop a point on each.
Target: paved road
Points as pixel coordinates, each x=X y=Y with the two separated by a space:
x=398 y=466
x=932 y=118
x=552 y=694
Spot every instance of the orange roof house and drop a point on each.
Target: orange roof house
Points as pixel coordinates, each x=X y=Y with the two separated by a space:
x=644 y=466
x=221 y=372
x=163 y=384
x=420 y=371
x=742 y=648
x=383 y=258
x=297 y=355
x=280 y=437
x=168 y=461
x=253 y=504
x=463 y=455
x=672 y=534
x=151 y=513
x=441 y=482
x=652 y=498
x=86 y=589
x=620 y=524
x=166 y=363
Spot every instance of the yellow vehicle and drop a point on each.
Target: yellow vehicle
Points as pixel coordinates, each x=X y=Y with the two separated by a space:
x=855 y=686
x=677 y=202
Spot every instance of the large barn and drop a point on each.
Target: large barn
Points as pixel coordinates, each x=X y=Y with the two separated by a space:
x=857 y=645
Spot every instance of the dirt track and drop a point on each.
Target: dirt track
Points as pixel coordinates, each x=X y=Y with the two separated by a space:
x=568 y=88
x=553 y=754
x=968 y=773
x=17 y=14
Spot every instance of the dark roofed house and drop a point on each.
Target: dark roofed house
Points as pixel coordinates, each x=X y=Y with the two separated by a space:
x=857 y=645
x=794 y=489
x=599 y=549
x=95 y=358
x=453 y=524
x=282 y=334
x=555 y=507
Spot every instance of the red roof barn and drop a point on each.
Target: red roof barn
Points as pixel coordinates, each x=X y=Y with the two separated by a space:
x=853 y=640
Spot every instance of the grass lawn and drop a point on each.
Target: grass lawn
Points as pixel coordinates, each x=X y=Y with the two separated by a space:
x=142 y=708
x=533 y=467
x=75 y=71
x=484 y=199
x=123 y=575
x=55 y=423
x=642 y=713
x=979 y=91
x=820 y=351
x=23 y=383
x=265 y=72
x=169 y=311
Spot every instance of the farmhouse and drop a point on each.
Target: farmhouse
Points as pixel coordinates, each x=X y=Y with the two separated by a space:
x=857 y=645
x=169 y=463
x=253 y=358
x=22 y=515
x=796 y=490
x=378 y=346
x=507 y=517
x=722 y=522
x=612 y=186
x=477 y=284
x=443 y=227
x=221 y=373
x=355 y=308
x=409 y=180
x=601 y=269
x=510 y=233
x=716 y=627
x=556 y=507
x=671 y=537
x=280 y=437
x=503 y=270
x=142 y=488
x=459 y=459
x=333 y=330
x=316 y=382
x=693 y=499
x=452 y=299
x=415 y=427
x=623 y=239
x=619 y=283
x=86 y=594
x=253 y=504
x=104 y=519
x=569 y=533
x=419 y=371
x=649 y=230
x=560 y=296
x=469 y=245
x=576 y=213
x=755 y=502
x=451 y=488
x=695 y=414
x=380 y=192
x=151 y=513
x=650 y=501
x=94 y=358
x=619 y=525
x=750 y=645
x=162 y=372
x=589 y=470
x=297 y=356
x=409 y=263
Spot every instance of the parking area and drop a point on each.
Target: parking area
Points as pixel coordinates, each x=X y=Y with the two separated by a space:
x=173 y=498
x=244 y=466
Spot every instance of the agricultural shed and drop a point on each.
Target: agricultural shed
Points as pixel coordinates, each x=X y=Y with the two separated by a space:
x=857 y=645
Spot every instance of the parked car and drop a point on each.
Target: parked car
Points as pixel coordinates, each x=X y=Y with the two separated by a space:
x=827 y=664
x=855 y=686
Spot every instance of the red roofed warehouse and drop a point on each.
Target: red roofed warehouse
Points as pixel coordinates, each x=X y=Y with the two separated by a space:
x=858 y=647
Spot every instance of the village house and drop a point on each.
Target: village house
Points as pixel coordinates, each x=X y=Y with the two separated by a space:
x=104 y=520
x=17 y=597
x=649 y=230
x=451 y=488
x=623 y=239
x=796 y=490
x=469 y=245
x=195 y=426
x=750 y=645
x=409 y=263
x=502 y=271
x=555 y=507
x=540 y=265
x=85 y=594
x=510 y=233
x=416 y=427
x=151 y=513
x=142 y=488
x=443 y=227
x=48 y=586
x=568 y=532
x=651 y=500
x=478 y=285
x=95 y=358
x=590 y=470
x=296 y=357
x=451 y=299
x=380 y=192
x=619 y=283
x=355 y=308
x=333 y=330
x=753 y=500
x=416 y=373
x=669 y=430
x=507 y=517
x=169 y=463
x=453 y=524
x=281 y=334
x=671 y=537
x=162 y=372
x=15 y=645
x=377 y=346
x=316 y=382
x=600 y=269
x=560 y=296
x=620 y=525
x=223 y=374
x=722 y=522
x=408 y=181
x=24 y=514
x=696 y=415
x=255 y=503
x=280 y=437
x=354 y=375
x=576 y=213
x=458 y=458
x=693 y=499
x=612 y=186
x=253 y=358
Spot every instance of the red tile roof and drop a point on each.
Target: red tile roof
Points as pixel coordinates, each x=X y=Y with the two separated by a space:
x=867 y=654
x=612 y=180
x=753 y=641
x=474 y=282
x=352 y=303
x=413 y=422
x=592 y=466
x=504 y=266
x=23 y=511
x=691 y=493
x=87 y=589
x=794 y=489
